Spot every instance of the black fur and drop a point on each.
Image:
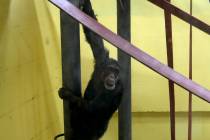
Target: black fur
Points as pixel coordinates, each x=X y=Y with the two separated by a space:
x=90 y=115
x=96 y=42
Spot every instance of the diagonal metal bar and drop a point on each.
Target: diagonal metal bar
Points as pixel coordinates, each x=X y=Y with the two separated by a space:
x=169 y=44
x=133 y=51
x=182 y=15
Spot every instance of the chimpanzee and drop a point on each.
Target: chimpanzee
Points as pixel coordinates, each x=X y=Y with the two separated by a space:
x=90 y=114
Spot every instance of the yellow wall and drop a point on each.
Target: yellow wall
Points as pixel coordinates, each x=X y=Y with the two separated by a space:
x=30 y=70
x=155 y=126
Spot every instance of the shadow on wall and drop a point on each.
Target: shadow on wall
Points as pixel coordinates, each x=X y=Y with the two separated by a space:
x=4 y=12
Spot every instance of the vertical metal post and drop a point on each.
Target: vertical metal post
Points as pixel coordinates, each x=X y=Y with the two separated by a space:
x=71 y=73
x=123 y=29
x=169 y=44
x=190 y=77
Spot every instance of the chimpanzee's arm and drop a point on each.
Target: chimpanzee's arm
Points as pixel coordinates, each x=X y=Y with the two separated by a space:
x=90 y=93
x=107 y=100
x=75 y=102
x=94 y=105
x=96 y=42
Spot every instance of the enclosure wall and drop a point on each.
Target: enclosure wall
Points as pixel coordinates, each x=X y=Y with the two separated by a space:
x=30 y=71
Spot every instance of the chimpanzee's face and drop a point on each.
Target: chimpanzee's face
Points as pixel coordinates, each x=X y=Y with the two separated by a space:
x=110 y=76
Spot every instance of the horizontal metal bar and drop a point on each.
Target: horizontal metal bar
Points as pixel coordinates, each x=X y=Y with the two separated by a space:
x=182 y=15
x=133 y=51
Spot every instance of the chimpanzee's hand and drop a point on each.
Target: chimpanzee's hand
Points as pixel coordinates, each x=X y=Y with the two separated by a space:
x=64 y=93
x=74 y=101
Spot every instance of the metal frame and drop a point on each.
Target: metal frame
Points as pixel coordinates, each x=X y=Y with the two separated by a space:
x=126 y=50
x=124 y=30
x=190 y=77
x=169 y=45
x=182 y=15
x=71 y=71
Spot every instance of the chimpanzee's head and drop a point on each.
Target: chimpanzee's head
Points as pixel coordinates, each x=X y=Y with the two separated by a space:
x=108 y=74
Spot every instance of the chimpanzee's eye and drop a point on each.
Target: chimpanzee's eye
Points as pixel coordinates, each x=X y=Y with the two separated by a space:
x=113 y=69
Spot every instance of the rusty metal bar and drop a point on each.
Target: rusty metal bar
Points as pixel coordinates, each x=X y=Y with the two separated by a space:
x=190 y=77
x=71 y=75
x=182 y=15
x=124 y=30
x=133 y=51
x=169 y=44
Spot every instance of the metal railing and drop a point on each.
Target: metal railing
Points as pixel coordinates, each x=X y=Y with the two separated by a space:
x=70 y=54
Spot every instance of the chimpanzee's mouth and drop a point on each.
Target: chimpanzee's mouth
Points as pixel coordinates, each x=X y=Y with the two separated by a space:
x=109 y=84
